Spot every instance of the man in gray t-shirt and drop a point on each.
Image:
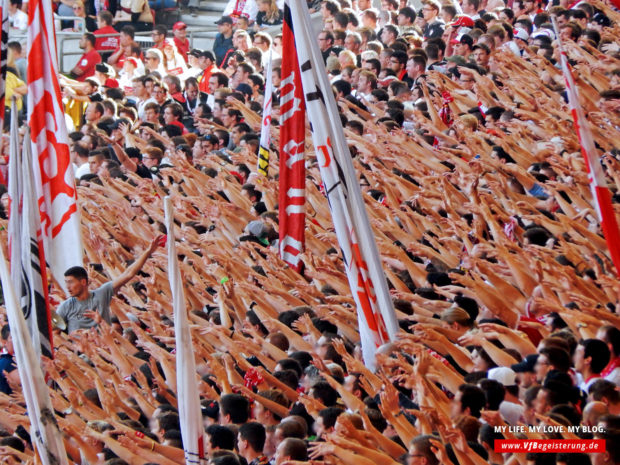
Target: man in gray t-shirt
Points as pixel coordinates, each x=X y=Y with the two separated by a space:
x=85 y=308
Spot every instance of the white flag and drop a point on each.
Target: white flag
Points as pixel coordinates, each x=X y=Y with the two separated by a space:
x=265 y=128
x=376 y=316
x=190 y=413
x=28 y=276
x=44 y=427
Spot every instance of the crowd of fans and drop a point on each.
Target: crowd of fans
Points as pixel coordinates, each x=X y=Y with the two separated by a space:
x=459 y=129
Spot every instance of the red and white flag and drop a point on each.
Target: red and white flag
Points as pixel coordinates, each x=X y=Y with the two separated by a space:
x=600 y=192
x=28 y=276
x=265 y=128
x=4 y=54
x=376 y=316
x=292 y=213
x=190 y=413
x=53 y=173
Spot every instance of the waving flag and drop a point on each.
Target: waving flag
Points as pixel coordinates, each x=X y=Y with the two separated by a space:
x=265 y=129
x=53 y=173
x=4 y=52
x=190 y=413
x=27 y=275
x=44 y=427
x=376 y=316
x=600 y=192
x=292 y=213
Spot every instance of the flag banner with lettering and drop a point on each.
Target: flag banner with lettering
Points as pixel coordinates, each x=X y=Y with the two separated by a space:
x=376 y=316
x=27 y=275
x=53 y=173
x=44 y=430
x=190 y=413
x=265 y=129
x=4 y=55
x=292 y=213
x=600 y=192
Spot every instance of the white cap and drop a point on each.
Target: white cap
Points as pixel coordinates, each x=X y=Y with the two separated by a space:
x=521 y=34
x=503 y=375
x=544 y=32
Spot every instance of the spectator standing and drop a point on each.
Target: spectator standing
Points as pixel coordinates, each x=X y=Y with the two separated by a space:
x=136 y=13
x=223 y=44
x=18 y=20
x=104 y=27
x=179 y=30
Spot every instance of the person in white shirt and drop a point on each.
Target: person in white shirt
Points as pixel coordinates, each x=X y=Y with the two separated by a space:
x=591 y=357
x=18 y=20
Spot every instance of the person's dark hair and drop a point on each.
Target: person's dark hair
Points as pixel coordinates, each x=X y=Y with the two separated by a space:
x=77 y=272
x=325 y=393
x=221 y=436
x=288 y=377
x=472 y=397
x=487 y=435
x=559 y=359
x=5 y=332
x=423 y=447
x=292 y=429
x=90 y=38
x=13 y=442
x=129 y=30
x=161 y=29
x=330 y=415
x=169 y=421
x=291 y=364
x=294 y=449
x=225 y=459
x=375 y=65
x=304 y=358
x=254 y=433
x=408 y=13
x=342 y=86
x=236 y=406
x=494 y=392
x=602 y=388
x=598 y=351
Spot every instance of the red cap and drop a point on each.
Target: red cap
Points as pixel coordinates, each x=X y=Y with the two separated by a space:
x=110 y=82
x=179 y=25
x=462 y=21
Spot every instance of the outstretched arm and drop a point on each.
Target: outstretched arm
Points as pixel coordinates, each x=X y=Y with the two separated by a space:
x=131 y=271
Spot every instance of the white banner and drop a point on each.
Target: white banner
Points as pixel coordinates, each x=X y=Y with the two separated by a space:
x=190 y=413
x=376 y=316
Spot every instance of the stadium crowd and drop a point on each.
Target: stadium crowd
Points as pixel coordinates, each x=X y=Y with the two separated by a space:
x=459 y=128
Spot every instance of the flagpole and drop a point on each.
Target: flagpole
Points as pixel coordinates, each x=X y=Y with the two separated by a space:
x=190 y=413
x=598 y=185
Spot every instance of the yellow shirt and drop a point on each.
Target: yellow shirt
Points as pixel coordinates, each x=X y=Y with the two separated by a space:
x=12 y=81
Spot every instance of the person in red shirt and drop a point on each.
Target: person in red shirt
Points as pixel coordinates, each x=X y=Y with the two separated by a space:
x=207 y=62
x=180 y=38
x=125 y=40
x=86 y=64
x=104 y=25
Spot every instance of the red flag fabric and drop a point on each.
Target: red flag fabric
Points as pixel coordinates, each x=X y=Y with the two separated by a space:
x=53 y=171
x=292 y=164
x=598 y=185
x=360 y=256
